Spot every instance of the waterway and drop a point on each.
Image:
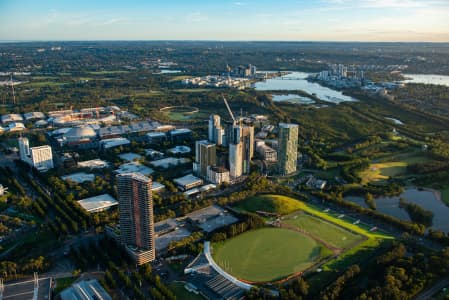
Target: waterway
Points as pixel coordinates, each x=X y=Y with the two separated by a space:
x=426 y=199
x=298 y=81
x=292 y=98
x=427 y=79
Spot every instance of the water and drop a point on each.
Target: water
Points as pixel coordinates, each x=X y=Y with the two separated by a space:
x=298 y=81
x=425 y=199
x=427 y=79
x=292 y=98
x=165 y=71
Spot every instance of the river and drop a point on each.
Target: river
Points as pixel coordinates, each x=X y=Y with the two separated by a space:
x=425 y=199
x=298 y=81
x=427 y=79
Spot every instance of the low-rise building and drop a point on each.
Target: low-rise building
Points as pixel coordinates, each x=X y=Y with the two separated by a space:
x=85 y=290
x=98 y=203
x=188 y=182
x=180 y=135
x=218 y=175
x=156 y=137
x=8 y=118
x=266 y=152
x=114 y=142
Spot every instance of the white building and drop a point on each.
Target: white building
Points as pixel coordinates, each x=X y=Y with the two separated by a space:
x=188 y=182
x=42 y=157
x=266 y=152
x=218 y=175
x=236 y=160
x=39 y=157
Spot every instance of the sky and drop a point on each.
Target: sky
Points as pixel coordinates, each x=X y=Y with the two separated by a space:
x=287 y=20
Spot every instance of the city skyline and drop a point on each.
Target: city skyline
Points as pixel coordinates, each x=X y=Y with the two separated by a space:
x=321 y=20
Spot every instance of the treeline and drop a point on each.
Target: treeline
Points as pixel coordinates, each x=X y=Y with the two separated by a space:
x=249 y=221
x=334 y=291
x=10 y=270
x=417 y=213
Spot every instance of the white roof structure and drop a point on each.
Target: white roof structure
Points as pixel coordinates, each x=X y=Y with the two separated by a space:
x=188 y=180
x=16 y=126
x=114 y=142
x=85 y=290
x=98 y=203
x=79 y=177
x=169 y=162
x=180 y=150
x=93 y=164
x=11 y=118
x=134 y=167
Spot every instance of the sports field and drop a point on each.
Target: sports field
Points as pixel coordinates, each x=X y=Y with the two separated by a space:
x=268 y=254
x=332 y=234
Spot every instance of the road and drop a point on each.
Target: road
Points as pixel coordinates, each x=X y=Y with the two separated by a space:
x=427 y=294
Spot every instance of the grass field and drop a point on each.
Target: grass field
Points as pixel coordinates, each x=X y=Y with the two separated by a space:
x=180 y=292
x=270 y=203
x=334 y=235
x=268 y=254
x=391 y=167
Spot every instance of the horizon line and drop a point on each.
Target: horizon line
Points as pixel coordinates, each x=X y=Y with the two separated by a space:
x=218 y=40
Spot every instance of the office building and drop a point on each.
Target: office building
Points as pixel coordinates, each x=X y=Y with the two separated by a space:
x=216 y=133
x=217 y=175
x=39 y=157
x=235 y=151
x=205 y=155
x=24 y=148
x=136 y=216
x=288 y=148
x=266 y=152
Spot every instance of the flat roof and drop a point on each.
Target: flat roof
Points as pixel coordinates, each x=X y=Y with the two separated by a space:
x=130 y=156
x=79 y=177
x=93 y=163
x=180 y=149
x=211 y=218
x=164 y=240
x=169 y=162
x=134 y=167
x=186 y=180
x=288 y=125
x=97 y=203
x=156 y=186
x=85 y=290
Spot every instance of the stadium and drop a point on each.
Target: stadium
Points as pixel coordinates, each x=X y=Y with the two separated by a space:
x=298 y=238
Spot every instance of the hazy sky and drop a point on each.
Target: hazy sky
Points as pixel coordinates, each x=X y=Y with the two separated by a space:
x=311 y=20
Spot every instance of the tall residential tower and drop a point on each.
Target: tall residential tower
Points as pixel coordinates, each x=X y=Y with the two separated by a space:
x=205 y=156
x=288 y=148
x=136 y=216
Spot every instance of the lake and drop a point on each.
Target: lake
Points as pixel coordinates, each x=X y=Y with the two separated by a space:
x=427 y=79
x=425 y=199
x=298 y=81
x=292 y=98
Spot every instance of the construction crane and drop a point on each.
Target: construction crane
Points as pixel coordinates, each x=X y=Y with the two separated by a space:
x=229 y=110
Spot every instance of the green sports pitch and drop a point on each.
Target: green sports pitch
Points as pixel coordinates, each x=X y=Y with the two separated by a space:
x=268 y=254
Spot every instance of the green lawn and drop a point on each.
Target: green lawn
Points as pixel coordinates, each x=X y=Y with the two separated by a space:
x=334 y=235
x=268 y=254
x=270 y=203
x=181 y=293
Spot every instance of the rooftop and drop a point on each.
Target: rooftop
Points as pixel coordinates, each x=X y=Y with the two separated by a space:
x=98 y=203
x=93 y=164
x=169 y=162
x=188 y=179
x=288 y=125
x=85 y=290
x=134 y=167
x=130 y=156
x=79 y=177
x=180 y=150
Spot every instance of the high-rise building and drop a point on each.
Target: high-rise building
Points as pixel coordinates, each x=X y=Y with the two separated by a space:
x=288 y=148
x=235 y=151
x=247 y=147
x=215 y=131
x=136 y=216
x=39 y=157
x=24 y=148
x=205 y=155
